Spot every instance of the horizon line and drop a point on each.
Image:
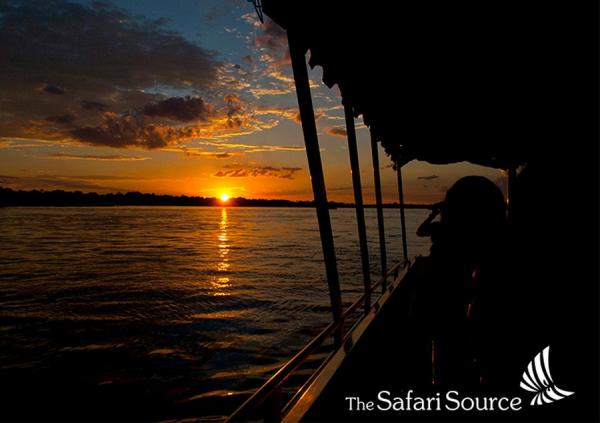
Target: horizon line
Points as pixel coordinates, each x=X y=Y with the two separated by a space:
x=229 y=203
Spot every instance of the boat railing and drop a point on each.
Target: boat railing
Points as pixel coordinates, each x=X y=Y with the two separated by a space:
x=269 y=396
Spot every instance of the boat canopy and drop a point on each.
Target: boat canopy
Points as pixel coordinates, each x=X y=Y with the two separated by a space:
x=439 y=81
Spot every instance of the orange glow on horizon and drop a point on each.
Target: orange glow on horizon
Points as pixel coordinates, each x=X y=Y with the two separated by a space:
x=224 y=197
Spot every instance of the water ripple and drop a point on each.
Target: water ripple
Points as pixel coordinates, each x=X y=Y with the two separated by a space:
x=185 y=304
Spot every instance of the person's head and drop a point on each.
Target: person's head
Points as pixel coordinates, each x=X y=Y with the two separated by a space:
x=474 y=211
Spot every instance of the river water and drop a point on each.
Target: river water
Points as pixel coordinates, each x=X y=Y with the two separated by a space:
x=166 y=312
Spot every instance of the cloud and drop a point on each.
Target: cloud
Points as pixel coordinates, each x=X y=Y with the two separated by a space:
x=52 y=89
x=281 y=82
x=237 y=171
x=272 y=37
x=283 y=112
x=252 y=19
x=144 y=127
x=290 y=113
x=234 y=77
x=91 y=57
x=151 y=126
x=109 y=74
x=195 y=152
x=253 y=148
x=50 y=182
x=65 y=119
x=261 y=92
x=112 y=157
x=234 y=110
x=428 y=177
x=92 y=105
x=281 y=76
x=215 y=155
x=128 y=130
x=177 y=108
x=269 y=42
x=18 y=143
x=146 y=52
x=336 y=131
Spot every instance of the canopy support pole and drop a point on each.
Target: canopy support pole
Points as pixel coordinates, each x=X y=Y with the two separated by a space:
x=402 y=217
x=313 y=154
x=359 y=206
x=379 y=202
x=512 y=177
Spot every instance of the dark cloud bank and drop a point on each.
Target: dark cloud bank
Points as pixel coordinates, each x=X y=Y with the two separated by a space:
x=91 y=67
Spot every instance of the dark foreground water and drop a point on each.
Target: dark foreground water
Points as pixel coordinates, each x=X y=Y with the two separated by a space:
x=160 y=312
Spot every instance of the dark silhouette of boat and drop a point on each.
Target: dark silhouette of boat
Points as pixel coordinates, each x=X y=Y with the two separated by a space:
x=499 y=84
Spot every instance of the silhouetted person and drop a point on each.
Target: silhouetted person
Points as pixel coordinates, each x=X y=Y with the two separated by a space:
x=465 y=244
x=429 y=227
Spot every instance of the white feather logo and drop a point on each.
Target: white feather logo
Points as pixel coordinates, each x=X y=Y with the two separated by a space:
x=537 y=378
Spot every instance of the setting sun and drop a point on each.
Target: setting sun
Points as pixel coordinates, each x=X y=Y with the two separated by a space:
x=224 y=197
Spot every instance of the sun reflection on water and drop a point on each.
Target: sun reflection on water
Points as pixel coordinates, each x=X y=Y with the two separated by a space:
x=221 y=282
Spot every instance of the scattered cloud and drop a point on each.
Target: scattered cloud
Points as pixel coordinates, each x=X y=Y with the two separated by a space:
x=151 y=127
x=261 y=92
x=238 y=171
x=128 y=130
x=272 y=42
x=92 y=105
x=50 y=182
x=283 y=112
x=160 y=124
x=253 y=148
x=281 y=76
x=51 y=89
x=195 y=152
x=7 y=144
x=118 y=98
x=112 y=157
x=177 y=108
x=290 y=113
x=146 y=53
x=83 y=67
x=65 y=119
x=251 y=19
x=272 y=36
x=336 y=131
x=18 y=143
x=120 y=80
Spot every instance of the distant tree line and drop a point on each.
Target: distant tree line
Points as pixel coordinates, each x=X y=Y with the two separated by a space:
x=60 y=198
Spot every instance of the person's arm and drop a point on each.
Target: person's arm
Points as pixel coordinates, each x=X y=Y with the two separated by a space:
x=425 y=227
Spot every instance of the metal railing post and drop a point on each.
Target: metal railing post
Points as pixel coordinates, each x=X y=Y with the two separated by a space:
x=313 y=154
x=402 y=217
x=379 y=202
x=359 y=206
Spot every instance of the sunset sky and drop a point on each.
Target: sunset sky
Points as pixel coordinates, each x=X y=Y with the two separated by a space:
x=190 y=97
